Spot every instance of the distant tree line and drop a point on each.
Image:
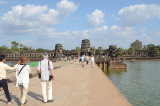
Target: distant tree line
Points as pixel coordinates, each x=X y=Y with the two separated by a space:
x=19 y=47
x=134 y=46
x=137 y=45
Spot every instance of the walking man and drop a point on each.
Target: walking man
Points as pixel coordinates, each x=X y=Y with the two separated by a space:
x=82 y=61
x=92 y=61
x=3 y=82
x=45 y=72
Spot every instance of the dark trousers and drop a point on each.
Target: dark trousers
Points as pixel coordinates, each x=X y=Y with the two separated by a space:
x=4 y=85
x=87 y=62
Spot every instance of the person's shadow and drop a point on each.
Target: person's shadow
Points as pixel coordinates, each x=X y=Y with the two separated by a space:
x=12 y=97
x=17 y=100
x=35 y=96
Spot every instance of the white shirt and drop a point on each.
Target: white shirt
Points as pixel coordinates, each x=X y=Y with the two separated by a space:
x=23 y=77
x=92 y=59
x=3 y=68
x=43 y=67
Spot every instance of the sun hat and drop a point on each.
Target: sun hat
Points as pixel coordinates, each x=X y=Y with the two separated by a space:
x=24 y=60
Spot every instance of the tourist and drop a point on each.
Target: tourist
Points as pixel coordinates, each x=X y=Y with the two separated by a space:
x=92 y=61
x=3 y=80
x=82 y=61
x=45 y=73
x=22 y=75
x=65 y=59
x=87 y=59
x=79 y=59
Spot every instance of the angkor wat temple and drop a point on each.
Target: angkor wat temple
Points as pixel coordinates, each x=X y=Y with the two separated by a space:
x=59 y=52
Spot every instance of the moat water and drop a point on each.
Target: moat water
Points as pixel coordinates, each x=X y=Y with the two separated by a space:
x=140 y=82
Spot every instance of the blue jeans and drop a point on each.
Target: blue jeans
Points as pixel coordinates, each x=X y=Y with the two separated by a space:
x=4 y=85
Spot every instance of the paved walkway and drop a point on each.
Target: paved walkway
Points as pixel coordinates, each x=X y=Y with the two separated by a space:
x=73 y=86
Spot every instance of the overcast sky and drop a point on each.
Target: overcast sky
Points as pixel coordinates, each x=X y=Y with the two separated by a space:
x=44 y=23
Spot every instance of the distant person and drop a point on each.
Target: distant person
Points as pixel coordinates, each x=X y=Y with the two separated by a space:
x=65 y=59
x=82 y=61
x=87 y=59
x=22 y=75
x=92 y=61
x=79 y=59
x=45 y=73
x=3 y=81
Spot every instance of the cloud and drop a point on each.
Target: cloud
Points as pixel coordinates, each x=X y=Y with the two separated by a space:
x=96 y=18
x=30 y=18
x=3 y=2
x=137 y=14
x=99 y=36
x=65 y=8
x=157 y=34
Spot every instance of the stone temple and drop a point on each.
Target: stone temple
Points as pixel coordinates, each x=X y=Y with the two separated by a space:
x=58 y=50
x=85 y=47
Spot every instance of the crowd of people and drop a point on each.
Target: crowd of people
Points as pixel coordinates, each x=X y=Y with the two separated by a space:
x=85 y=59
x=44 y=71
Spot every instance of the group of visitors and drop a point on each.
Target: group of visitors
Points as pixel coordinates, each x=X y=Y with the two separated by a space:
x=44 y=72
x=86 y=59
x=69 y=59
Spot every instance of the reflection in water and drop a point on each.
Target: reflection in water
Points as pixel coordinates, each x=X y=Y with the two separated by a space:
x=140 y=83
x=116 y=71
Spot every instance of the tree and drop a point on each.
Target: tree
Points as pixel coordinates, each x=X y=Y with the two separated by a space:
x=15 y=47
x=131 y=50
x=100 y=50
x=150 y=46
x=137 y=45
x=42 y=50
x=78 y=50
x=119 y=52
x=156 y=49
x=14 y=44
x=4 y=48
x=93 y=50
x=145 y=47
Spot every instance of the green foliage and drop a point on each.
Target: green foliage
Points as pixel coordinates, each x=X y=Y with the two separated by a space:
x=4 y=48
x=131 y=50
x=15 y=47
x=78 y=50
x=93 y=50
x=100 y=49
x=119 y=49
x=41 y=56
x=137 y=45
x=119 y=52
x=150 y=47
x=42 y=50
x=156 y=49
x=14 y=44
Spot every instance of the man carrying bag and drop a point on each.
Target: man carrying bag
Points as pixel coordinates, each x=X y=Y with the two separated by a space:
x=45 y=73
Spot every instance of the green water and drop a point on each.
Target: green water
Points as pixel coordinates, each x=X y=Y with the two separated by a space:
x=14 y=63
x=140 y=82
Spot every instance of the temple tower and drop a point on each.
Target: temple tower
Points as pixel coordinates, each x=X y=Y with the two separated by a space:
x=85 y=47
x=58 y=50
x=112 y=50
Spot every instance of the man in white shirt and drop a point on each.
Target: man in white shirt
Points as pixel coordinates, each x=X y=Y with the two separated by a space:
x=92 y=61
x=3 y=80
x=45 y=69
